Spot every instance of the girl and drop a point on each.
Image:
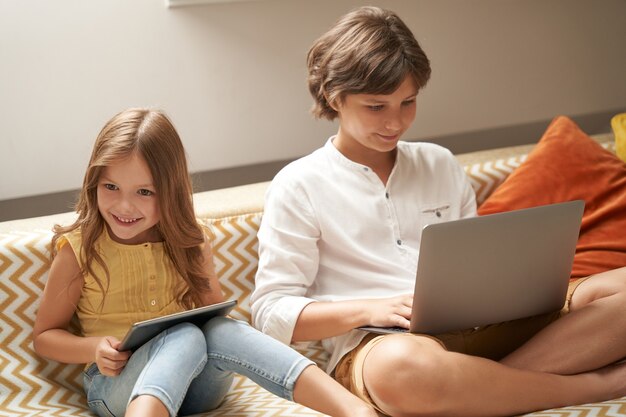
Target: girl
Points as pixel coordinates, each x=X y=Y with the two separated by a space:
x=136 y=252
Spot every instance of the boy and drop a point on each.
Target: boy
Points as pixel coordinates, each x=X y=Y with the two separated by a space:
x=338 y=249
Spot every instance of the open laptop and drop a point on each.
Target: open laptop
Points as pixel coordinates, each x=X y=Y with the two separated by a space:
x=493 y=268
x=142 y=331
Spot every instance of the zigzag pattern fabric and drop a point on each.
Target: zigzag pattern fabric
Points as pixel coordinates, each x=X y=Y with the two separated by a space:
x=487 y=176
x=615 y=408
x=235 y=256
x=30 y=386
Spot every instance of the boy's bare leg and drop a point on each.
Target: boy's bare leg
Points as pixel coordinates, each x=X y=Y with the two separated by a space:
x=317 y=390
x=416 y=376
x=591 y=336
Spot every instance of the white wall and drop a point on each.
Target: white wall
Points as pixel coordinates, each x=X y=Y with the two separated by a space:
x=232 y=76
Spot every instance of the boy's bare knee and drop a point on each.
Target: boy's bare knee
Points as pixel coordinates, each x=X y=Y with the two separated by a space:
x=608 y=284
x=401 y=373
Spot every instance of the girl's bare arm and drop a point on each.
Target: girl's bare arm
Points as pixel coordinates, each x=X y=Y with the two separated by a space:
x=215 y=295
x=51 y=339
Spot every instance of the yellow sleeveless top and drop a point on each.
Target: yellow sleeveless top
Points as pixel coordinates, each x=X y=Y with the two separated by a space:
x=143 y=285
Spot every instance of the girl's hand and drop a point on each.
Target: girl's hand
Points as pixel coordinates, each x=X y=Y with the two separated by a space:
x=390 y=312
x=110 y=362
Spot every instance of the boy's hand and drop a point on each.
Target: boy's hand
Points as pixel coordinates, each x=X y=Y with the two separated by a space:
x=391 y=312
x=110 y=362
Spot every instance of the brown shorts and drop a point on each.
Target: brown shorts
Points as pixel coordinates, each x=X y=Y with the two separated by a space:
x=494 y=342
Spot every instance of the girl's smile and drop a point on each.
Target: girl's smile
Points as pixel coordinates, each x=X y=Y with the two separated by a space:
x=125 y=221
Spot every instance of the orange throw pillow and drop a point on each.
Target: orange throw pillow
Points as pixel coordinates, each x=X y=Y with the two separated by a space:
x=568 y=165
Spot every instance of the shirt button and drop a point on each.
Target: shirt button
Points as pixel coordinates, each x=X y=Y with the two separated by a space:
x=152 y=276
x=387 y=195
x=153 y=302
x=366 y=169
x=399 y=242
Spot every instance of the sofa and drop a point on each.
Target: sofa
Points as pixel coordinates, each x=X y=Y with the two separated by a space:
x=32 y=386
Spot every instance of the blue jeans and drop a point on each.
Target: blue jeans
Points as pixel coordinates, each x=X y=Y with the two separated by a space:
x=190 y=370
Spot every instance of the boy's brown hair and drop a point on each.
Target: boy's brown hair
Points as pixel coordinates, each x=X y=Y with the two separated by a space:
x=368 y=51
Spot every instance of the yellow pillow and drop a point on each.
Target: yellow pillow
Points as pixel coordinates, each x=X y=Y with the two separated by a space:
x=618 y=122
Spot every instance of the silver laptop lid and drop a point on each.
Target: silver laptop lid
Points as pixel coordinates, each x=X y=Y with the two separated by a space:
x=494 y=268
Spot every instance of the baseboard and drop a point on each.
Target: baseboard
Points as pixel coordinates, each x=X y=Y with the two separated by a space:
x=41 y=205
x=60 y=202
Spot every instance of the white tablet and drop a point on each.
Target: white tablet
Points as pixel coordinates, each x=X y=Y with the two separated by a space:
x=143 y=331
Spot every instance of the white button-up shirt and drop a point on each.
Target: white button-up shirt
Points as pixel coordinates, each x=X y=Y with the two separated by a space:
x=332 y=231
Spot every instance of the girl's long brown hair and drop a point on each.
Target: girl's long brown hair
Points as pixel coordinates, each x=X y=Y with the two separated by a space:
x=152 y=135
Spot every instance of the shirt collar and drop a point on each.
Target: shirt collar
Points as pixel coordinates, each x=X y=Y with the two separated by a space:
x=340 y=158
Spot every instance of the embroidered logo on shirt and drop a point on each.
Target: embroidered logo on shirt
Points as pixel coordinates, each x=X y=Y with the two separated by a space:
x=437 y=211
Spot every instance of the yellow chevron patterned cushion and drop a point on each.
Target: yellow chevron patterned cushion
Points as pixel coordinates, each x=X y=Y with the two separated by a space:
x=29 y=384
x=486 y=177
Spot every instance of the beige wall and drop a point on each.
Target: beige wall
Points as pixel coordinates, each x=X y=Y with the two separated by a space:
x=232 y=76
